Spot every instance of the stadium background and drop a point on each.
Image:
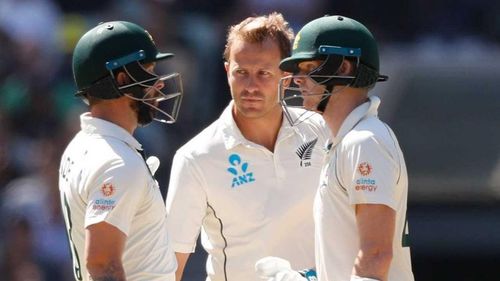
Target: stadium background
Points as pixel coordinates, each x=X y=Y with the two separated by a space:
x=442 y=99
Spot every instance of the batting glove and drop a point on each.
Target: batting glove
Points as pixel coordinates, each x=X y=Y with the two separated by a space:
x=153 y=164
x=278 y=269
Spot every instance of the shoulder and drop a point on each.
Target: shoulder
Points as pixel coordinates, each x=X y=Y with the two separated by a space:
x=314 y=123
x=313 y=118
x=209 y=139
x=370 y=131
x=106 y=152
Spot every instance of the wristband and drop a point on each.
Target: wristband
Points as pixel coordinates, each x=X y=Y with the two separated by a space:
x=358 y=278
x=309 y=274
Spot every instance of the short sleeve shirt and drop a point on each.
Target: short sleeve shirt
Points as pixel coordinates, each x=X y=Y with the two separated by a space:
x=103 y=178
x=364 y=165
x=247 y=201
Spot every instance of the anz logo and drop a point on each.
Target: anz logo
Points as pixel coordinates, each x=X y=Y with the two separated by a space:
x=305 y=152
x=239 y=170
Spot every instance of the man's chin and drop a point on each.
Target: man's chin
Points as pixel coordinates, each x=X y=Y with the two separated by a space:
x=311 y=106
x=251 y=112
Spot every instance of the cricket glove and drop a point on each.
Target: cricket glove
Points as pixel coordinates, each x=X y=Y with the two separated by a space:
x=278 y=269
x=153 y=164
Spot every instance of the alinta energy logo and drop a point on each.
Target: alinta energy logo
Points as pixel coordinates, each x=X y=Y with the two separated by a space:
x=107 y=190
x=305 y=152
x=365 y=184
x=239 y=170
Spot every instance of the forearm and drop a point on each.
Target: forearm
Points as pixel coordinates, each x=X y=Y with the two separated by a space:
x=376 y=224
x=104 y=244
x=112 y=271
x=182 y=259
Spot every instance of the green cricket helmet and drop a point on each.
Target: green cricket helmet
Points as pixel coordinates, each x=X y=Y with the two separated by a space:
x=331 y=40
x=333 y=35
x=116 y=46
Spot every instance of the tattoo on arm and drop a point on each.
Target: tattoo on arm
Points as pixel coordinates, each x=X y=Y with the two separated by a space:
x=113 y=272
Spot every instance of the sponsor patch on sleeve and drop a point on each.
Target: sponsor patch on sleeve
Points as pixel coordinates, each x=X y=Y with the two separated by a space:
x=364 y=183
x=105 y=204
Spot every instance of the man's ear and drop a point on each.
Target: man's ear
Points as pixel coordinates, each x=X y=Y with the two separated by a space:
x=122 y=78
x=346 y=68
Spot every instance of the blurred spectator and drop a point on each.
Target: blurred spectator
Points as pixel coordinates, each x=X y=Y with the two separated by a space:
x=32 y=221
x=18 y=262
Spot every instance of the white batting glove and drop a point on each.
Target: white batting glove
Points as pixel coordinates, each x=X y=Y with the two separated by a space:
x=276 y=269
x=153 y=164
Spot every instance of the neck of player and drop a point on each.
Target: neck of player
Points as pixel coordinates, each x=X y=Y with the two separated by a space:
x=262 y=130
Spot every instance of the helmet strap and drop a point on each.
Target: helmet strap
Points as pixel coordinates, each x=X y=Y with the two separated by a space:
x=322 y=104
x=330 y=65
x=145 y=114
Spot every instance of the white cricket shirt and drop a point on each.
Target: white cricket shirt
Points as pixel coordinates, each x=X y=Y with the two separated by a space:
x=103 y=178
x=365 y=165
x=248 y=201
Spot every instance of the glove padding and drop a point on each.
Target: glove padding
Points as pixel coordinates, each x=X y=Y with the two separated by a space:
x=276 y=269
x=153 y=163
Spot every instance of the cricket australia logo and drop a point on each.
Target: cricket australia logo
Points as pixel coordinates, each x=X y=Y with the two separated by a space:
x=296 y=42
x=305 y=152
x=239 y=170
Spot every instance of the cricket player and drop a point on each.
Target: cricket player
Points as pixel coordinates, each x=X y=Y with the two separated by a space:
x=248 y=180
x=360 y=207
x=112 y=205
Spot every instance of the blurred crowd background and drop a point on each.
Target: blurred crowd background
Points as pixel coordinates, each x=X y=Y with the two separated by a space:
x=442 y=99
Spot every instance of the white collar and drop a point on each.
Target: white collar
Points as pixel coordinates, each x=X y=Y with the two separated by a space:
x=232 y=134
x=92 y=125
x=365 y=110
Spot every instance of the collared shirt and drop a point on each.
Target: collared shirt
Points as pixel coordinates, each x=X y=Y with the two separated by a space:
x=103 y=178
x=365 y=165
x=249 y=202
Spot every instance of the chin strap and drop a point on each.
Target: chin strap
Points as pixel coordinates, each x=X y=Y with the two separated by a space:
x=322 y=104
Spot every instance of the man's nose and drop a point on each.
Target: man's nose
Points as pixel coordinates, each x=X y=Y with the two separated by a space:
x=251 y=84
x=160 y=84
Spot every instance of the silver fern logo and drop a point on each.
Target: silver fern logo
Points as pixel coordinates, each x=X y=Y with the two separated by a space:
x=305 y=152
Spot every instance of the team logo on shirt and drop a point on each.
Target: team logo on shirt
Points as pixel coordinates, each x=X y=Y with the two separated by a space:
x=107 y=189
x=305 y=152
x=365 y=184
x=239 y=170
x=365 y=169
x=296 y=42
